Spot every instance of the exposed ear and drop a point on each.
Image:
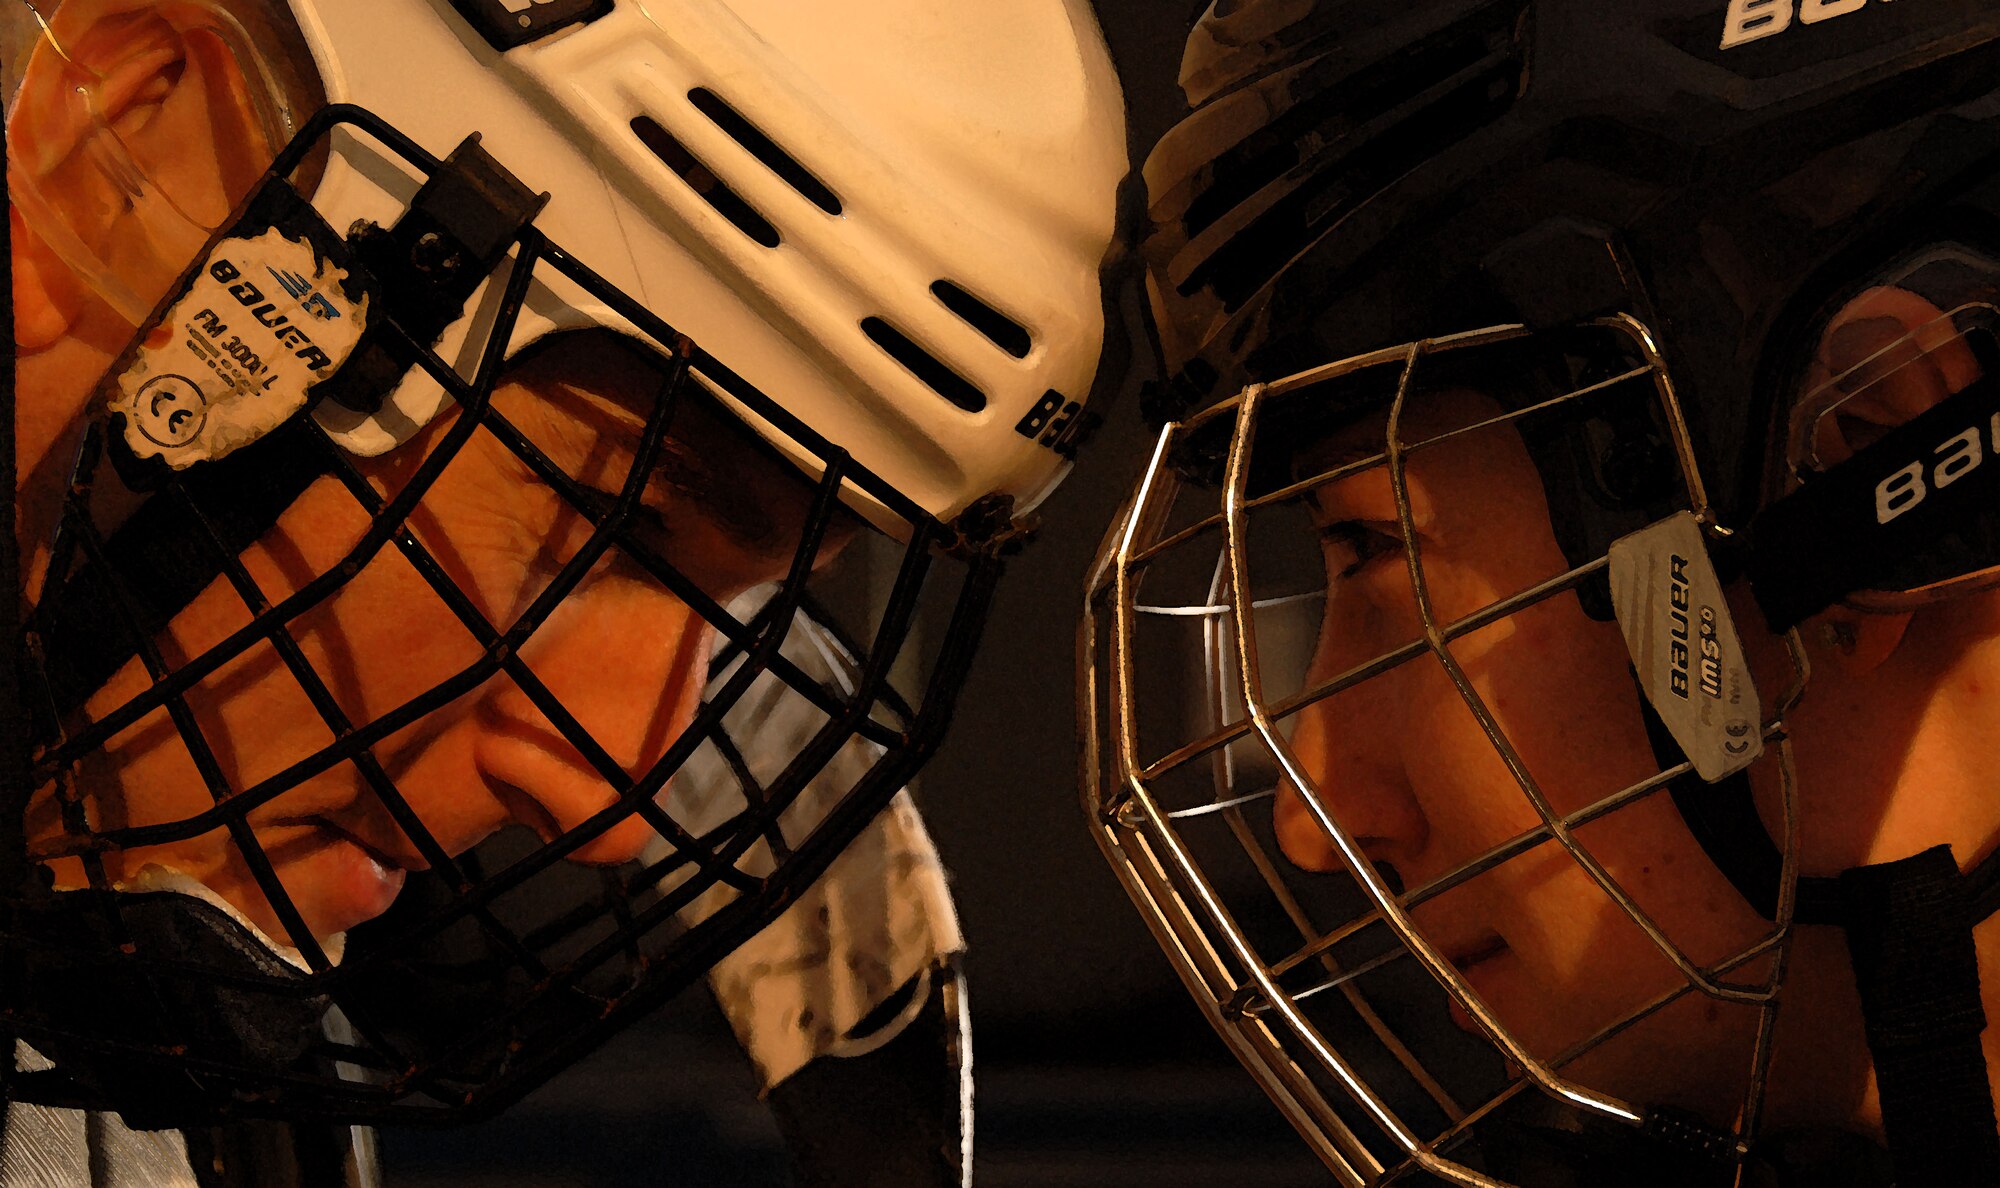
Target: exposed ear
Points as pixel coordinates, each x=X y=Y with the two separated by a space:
x=1893 y=355
x=152 y=87
x=1888 y=356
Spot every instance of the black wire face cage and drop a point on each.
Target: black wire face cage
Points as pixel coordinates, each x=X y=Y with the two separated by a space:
x=1352 y=991
x=502 y=964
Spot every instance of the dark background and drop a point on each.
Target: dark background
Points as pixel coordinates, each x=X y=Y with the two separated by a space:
x=1093 y=1067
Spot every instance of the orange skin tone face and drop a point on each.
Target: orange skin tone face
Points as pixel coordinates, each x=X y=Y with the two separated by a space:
x=1402 y=762
x=1888 y=739
x=625 y=657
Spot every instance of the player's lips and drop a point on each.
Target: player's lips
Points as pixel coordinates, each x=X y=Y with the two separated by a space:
x=353 y=882
x=1471 y=961
x=390 y=856
x=333 y=873
x=1465 y=957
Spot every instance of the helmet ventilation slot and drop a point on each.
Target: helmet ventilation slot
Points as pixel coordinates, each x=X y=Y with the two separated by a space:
x=924 y=365
x=1006 y=333
x=762 y=147
x=727 y=202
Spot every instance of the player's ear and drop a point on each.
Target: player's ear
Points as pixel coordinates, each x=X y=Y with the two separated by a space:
x=1887 y=357
x=133 y=135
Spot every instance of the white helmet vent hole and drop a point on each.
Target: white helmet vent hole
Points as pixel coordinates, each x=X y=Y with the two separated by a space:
x=762 y=147
x=1005 y=333
x=727 y=202
x=924 y=365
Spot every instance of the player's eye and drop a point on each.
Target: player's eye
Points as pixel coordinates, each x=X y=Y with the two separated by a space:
x=646 y=528
x=1351 y=546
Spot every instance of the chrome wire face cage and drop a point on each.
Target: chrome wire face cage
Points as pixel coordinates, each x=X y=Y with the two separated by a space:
x=1332 y=986
x=499 y=965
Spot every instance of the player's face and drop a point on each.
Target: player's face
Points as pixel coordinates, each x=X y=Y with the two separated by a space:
x=620 y=653
x=1403 y=763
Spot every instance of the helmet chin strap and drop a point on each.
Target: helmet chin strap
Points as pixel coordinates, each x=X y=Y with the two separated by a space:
x=1908 y=922
x=1908 y=925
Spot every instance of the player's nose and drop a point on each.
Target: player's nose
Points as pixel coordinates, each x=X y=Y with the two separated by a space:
x=1349 y=786
x=621 y=675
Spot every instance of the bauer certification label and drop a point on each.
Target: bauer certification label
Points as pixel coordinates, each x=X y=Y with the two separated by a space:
x=266 y=315
x=1684 y=645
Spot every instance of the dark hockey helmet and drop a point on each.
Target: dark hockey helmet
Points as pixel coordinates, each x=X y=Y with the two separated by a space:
x=1631 y=228
x=1358 y=174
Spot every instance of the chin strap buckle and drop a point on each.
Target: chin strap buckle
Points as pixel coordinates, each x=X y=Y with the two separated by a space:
x=1684 y=1132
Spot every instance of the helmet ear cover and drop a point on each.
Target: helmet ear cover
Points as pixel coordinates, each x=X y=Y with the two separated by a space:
x=1910 y=515
x=1913 y=510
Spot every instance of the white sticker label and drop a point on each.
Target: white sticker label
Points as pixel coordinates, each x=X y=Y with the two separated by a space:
x=1684 y=645
x=263 y=320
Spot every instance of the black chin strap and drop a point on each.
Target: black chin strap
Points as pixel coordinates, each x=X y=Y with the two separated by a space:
x=1909 y=935
x=1911 y=509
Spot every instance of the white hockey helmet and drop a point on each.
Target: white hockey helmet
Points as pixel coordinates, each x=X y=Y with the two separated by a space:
x=877 y=235
x=891 y=218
